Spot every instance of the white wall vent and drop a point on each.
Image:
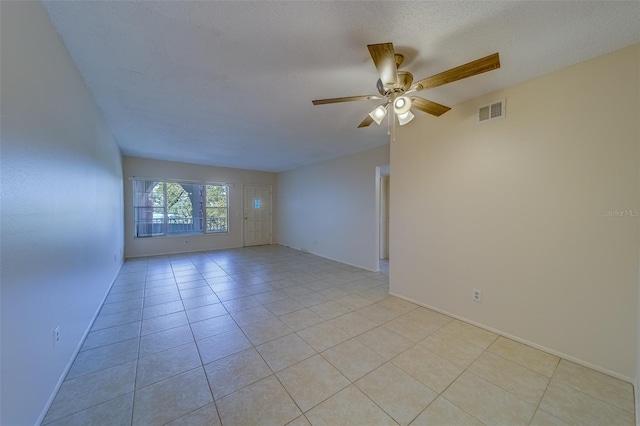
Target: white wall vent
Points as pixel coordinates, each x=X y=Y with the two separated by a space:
x=493 y=111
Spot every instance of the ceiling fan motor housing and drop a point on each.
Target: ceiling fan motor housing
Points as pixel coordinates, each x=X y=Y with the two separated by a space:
x=405 y=79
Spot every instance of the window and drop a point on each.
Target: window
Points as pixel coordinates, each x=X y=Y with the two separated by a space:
x=217 y=201
x=179 y=208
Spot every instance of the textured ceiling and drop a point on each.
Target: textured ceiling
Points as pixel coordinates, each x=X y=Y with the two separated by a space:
x=231 y=83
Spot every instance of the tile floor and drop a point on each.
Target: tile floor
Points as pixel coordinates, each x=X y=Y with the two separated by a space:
x=274 y=336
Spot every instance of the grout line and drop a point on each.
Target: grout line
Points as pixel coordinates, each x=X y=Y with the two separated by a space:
x=240 y=266
x=213 y=400
x=89 y=408
x=135 y=374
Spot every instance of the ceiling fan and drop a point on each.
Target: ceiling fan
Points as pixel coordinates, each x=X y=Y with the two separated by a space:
x=397 y=87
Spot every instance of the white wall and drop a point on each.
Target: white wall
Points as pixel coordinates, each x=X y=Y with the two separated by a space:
x=236 y=178
x=517 y=208
x=62 y=225
x=329 y=208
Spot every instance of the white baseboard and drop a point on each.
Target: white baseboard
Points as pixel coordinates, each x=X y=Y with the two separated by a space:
x=523 y=341
x=326 y=257
x=169 y=253
x=75 y=352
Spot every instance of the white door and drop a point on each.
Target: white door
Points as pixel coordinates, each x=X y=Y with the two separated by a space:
x=257 y=215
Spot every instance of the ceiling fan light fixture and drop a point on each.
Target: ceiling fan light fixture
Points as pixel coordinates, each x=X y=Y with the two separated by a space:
x=405 y=117
x=378 y=114
x=397 y=87
x=402 y=105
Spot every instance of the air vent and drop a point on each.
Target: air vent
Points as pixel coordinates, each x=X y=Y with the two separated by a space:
x=493 y=111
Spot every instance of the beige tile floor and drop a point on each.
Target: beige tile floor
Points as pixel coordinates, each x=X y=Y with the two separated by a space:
x=274 y=336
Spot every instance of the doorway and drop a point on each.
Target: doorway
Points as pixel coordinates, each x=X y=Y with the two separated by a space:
x=385 y=182
x=383 y=187
x=257 y=215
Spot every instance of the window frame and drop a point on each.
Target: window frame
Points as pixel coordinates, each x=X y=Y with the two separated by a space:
x=206 y=207
x=201 y=209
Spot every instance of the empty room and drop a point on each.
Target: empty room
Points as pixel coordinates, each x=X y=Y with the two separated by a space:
x=319 y=213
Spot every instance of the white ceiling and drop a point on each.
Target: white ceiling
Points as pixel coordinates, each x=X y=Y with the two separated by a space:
x=231 y=83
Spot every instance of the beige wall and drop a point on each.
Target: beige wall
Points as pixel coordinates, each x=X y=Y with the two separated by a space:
x=61 y=226
x=518 y=208
x=637 y=376
x=329 y=208
x=236 y=178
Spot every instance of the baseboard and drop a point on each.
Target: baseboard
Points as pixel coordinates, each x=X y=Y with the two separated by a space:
x=169 y=253
x=327 y=257
x=76 y=351
x=523 y=341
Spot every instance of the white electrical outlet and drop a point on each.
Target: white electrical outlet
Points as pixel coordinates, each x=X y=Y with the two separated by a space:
x=56 y=336
x=476 y=295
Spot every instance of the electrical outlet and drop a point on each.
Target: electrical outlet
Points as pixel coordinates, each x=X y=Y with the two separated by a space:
x=476 y=295
x=56 y=336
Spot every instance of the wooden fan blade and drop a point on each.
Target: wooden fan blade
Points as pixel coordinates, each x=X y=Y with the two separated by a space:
x=476 y=67
x=429 y=107
x=345 y=99
x=366 y=122
x=385 y=60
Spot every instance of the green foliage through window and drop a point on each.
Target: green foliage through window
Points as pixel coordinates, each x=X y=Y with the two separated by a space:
x=217 y=200
x=177 y=208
